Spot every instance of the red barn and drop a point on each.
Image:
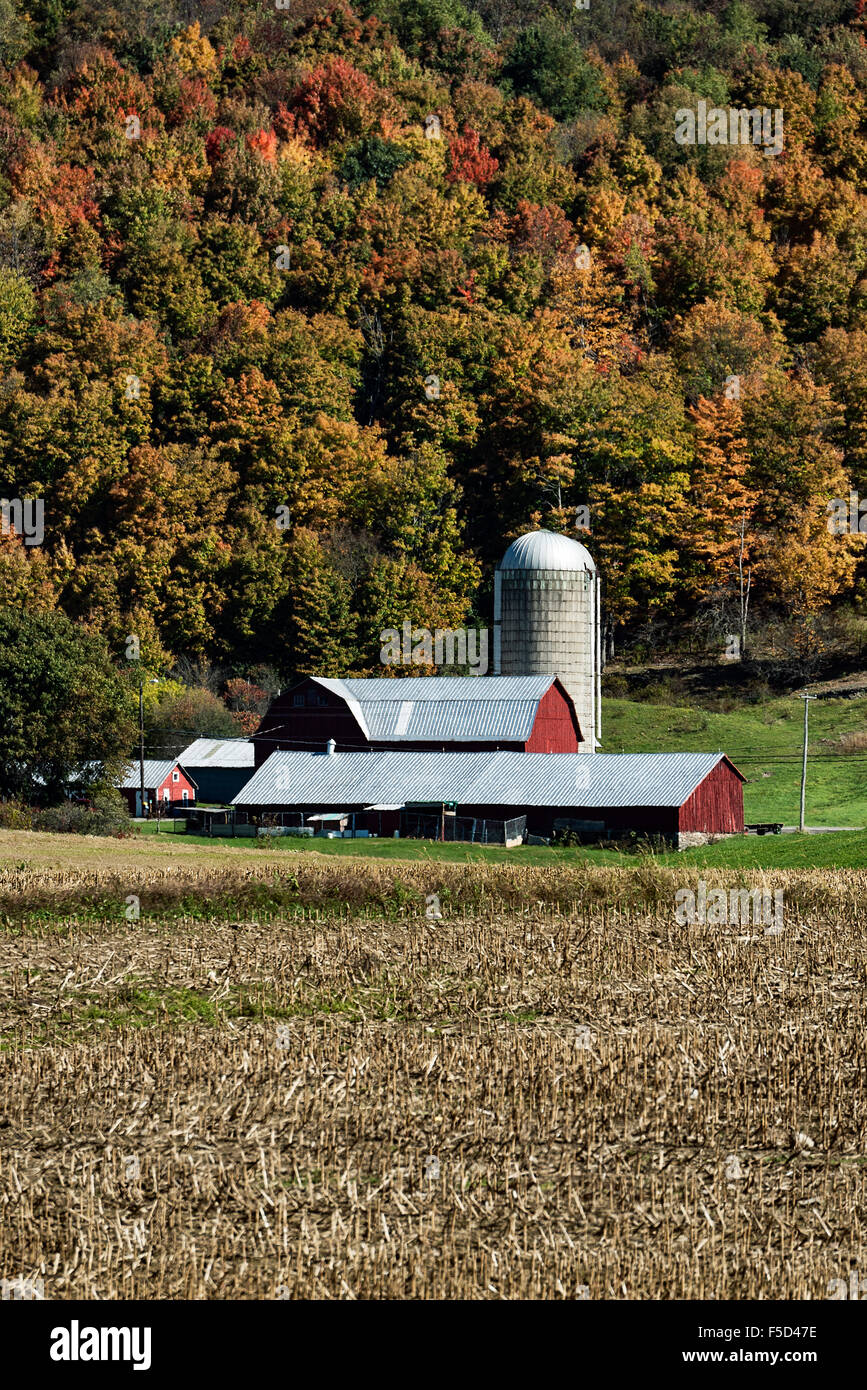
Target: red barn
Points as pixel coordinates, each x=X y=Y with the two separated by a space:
x=443 y=714
x=165 y=782
x=718 y=801
x=683 y=798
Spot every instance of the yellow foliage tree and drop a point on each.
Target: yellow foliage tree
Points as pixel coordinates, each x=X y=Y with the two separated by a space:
x=721 y=501
x=194 y=53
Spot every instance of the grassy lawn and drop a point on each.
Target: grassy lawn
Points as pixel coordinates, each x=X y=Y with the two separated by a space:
x=845 y=850
x=166 y=827
x=764 y=741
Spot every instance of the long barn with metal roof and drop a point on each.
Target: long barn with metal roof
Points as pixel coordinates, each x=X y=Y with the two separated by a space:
x=684 y=797
x=533 y=714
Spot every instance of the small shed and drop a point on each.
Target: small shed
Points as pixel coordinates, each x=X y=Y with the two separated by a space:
x=331 y=822
x=166 y=784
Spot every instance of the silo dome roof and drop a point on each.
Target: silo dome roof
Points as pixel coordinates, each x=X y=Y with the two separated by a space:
x=546 y=550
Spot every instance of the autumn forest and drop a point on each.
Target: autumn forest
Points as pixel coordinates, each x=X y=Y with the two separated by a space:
x=307 y=309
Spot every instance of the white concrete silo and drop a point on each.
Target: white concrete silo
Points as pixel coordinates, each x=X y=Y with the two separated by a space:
x=547 y=621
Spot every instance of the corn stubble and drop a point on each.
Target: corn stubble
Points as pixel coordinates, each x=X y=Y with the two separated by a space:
x=553 y=1091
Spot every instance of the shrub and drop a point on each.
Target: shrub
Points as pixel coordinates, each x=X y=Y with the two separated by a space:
x=566 y=839
x=106 y=814
x=14 y=815
x=615 y=686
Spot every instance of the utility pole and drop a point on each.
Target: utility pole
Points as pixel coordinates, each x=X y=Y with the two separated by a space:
x=141 y=740
x=744 y=593
x=141 y=757
x=806 y=698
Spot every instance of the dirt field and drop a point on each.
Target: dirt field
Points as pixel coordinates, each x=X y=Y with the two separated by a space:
x=281 y=1082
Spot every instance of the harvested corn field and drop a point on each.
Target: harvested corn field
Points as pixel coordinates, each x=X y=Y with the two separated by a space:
x=348 y=1080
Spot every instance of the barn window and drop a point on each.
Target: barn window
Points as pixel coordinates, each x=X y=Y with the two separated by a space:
x=185 y=794
x=176 y=777
x=298 y=699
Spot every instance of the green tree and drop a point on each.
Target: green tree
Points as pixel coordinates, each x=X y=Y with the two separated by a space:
x=63 y=706
x=321 y=629
x=373 y=158
x=17 y=311
x=546 y=64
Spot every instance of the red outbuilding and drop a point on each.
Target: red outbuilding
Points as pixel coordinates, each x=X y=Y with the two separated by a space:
x=443 y=714
x=165 y=783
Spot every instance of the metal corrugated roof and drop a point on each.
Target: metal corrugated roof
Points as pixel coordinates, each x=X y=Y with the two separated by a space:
x=88 y=769
x=494 y=778
x=156 y=770
x=462 y=688
x=219 y=752
x=451 y=720
x=451 y=708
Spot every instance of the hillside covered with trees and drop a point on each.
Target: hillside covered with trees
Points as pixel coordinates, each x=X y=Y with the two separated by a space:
x=307 y=308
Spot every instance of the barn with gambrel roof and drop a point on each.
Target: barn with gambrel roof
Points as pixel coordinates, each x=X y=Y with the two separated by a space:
x=470 y=714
